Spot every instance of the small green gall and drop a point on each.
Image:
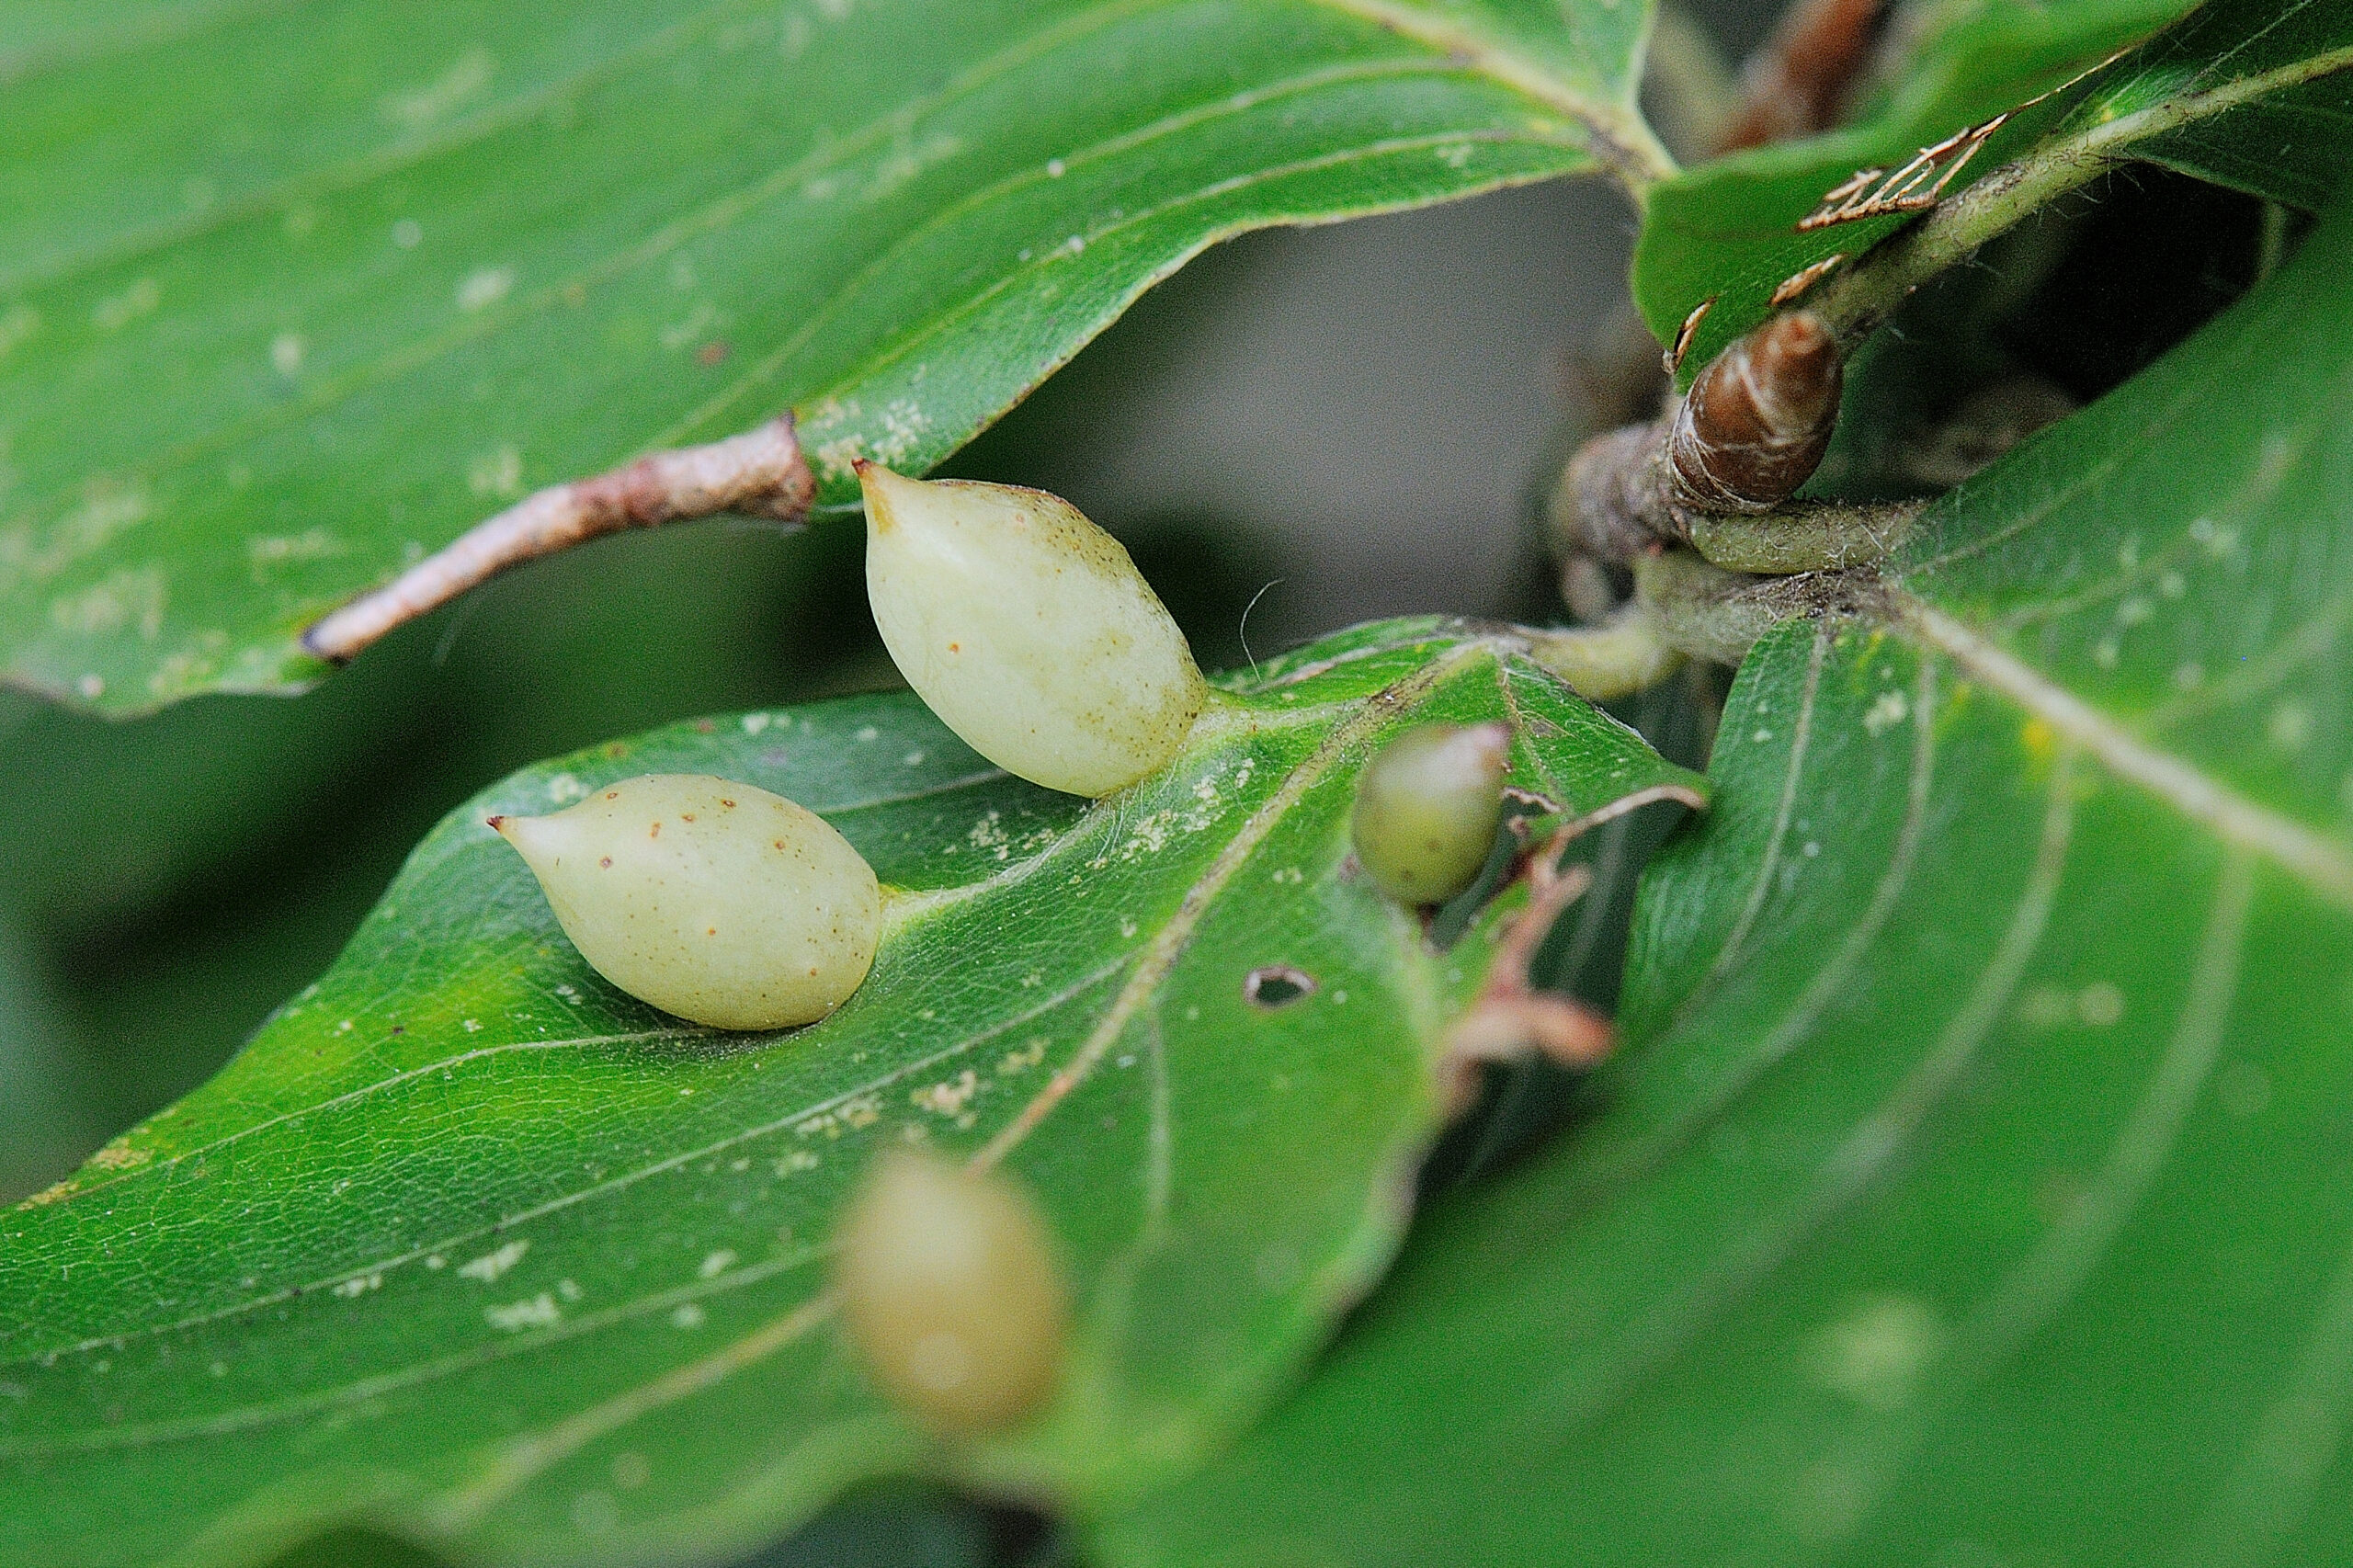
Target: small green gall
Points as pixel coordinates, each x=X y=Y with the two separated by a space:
x=1427 y=810
x=1027 y=630
x=715 y=900
x=951 y=1292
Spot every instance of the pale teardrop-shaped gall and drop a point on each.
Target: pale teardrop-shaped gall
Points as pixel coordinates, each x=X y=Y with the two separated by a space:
x=1027 y=630
x=715 y=900
x=951 y=1291
x=1427 y=810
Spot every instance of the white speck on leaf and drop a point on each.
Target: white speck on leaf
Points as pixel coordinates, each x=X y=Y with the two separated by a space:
x=484 y=287
x=490 y=1265
x=496 y=473
x=539 y=1312
x=2290 y=725
x=1874 y=1356
x=421 y=106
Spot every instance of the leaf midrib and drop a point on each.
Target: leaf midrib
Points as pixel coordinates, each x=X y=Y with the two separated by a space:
x=1151 y=967
x=1169 y=942
x=509 y=1222
x=520 y=1460
x=2323 y=864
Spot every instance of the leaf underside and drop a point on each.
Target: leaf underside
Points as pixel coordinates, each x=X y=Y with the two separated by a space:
x=1728 y=232
x=471 y=1245
x=291 y=294
x=1972 y=1189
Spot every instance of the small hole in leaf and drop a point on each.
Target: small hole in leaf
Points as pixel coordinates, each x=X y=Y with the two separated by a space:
x=1276 y=985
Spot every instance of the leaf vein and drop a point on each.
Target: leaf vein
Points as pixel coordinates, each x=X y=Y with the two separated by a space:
x=2320 y=862
x=1169 y=942
x=610 y=1184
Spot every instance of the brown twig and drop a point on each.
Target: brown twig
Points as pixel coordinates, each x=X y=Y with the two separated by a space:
x=759 y=473
x=1798 y=82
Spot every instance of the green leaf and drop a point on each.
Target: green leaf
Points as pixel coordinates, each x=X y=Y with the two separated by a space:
x=2250 y=93
x=1727 y=230
x=2285 y=143
x=467 y=1245
x=293 y=293
x=1972 y=1189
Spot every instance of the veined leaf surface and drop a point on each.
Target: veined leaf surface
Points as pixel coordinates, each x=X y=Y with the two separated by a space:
x=2253 y=94
x=1973 y=1188
x=470 y=1246
x=291 y=295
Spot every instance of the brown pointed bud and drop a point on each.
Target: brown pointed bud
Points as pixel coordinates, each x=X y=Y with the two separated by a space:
x=1755 y=425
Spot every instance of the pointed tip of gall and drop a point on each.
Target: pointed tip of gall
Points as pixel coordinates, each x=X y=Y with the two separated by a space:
x=497 y=824
x=878 y=483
